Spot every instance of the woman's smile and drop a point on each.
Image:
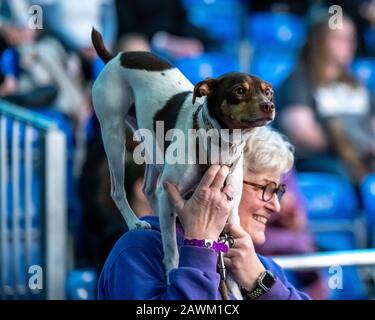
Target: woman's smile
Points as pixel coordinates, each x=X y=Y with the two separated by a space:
x=259 y=218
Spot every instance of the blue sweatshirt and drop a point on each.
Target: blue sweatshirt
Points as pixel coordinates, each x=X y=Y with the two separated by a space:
x=134 y=270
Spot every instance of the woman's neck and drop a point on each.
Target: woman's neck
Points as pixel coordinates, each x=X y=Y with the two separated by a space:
x=331 y=72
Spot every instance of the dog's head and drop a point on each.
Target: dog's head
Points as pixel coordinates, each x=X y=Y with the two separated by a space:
x=238 y=100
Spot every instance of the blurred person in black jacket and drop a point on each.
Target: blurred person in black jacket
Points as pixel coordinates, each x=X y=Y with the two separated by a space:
x=327 y=114
x=165 y=24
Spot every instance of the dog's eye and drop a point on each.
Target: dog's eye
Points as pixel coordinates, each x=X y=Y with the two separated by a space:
x=240 y=91
x=268 y=92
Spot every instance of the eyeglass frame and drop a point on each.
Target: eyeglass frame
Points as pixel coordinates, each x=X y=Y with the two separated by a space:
x=264 y=187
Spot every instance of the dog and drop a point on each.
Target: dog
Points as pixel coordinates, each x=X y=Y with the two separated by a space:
x=140 y=88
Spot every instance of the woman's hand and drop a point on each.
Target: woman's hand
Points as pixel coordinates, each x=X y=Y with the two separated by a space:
x=204 y=215
x=241 y=260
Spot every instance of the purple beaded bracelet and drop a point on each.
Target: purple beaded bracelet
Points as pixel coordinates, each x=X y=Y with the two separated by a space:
x=217 y=246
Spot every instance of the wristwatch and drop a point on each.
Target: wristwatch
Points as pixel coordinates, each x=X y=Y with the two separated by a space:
x=264 y=284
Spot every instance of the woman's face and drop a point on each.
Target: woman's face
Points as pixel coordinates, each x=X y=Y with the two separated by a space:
x=341 y=44
x=254 y=212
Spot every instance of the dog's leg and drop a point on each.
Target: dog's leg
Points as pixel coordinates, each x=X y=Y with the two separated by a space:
x=150 y=183
x=235 y=180
x=167 y=218
x=114 y=145
x=112 y=99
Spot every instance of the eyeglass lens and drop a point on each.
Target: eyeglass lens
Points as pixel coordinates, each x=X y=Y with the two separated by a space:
x=270 y=189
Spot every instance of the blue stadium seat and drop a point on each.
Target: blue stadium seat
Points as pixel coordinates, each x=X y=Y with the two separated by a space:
x=221 y=18
x=81 y=284
x=273 y=66
x=97 y=67
x=369 y=37
x=364 y=70
x=207 y=65
x=352 y=286
x=332 y=208
x=368 y=196
x=368 y=199
x=328 y=196
x=332 y=240
x=9 y=64
x=266 y=29
x=333 y=236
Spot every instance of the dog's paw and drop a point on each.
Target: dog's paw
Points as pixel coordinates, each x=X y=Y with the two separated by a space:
x=168 y=268
x=167 y=274
x=142 y=225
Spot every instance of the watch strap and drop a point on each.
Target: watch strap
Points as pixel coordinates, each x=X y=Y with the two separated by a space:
x=264 y=284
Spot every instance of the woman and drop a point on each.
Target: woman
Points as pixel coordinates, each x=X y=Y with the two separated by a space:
x=328 y=116
x=134 y=268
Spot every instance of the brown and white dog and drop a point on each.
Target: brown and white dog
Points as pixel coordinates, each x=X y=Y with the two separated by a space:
x=140 y=88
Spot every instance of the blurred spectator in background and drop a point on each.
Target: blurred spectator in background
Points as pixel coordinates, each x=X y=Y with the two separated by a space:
x=71 y=22
x=165 y=24
x=13 y=23
x=36 y=70
x=367 y=11
x=360 y=11
x=366 y=25
x=133 y=42
x=326 y=113
x=286 y=233
x=46 y=63
x=13 y=32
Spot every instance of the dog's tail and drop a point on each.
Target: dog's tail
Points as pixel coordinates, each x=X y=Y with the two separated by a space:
x=98 y=43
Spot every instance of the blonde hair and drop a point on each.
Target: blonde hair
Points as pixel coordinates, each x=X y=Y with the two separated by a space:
x=268 y=150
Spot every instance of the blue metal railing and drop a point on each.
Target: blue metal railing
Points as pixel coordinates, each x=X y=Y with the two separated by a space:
x=32 y=205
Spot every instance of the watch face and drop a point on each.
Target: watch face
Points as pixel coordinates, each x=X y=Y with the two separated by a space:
x=268 y=280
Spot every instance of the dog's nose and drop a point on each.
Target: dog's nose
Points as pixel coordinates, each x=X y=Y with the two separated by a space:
x=267 y=106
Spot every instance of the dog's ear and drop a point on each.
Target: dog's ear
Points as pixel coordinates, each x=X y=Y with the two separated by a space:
x=204 y=88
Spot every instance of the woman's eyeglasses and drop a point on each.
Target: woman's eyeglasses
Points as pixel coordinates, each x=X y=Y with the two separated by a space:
x=269 y=189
